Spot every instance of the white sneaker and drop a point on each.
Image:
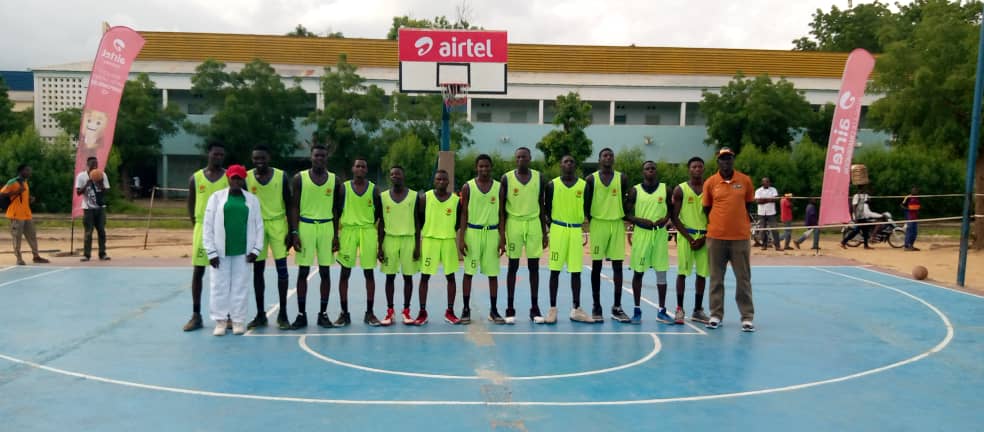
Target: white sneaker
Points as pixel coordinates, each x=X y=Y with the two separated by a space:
x=580 y=316
x=747 y=326
x=220 y=328
x=551 y=316
x=713 y=323
x=238 y=328
x=510 y=320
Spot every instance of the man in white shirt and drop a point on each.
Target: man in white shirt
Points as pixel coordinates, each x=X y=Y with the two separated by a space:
x=766 y=197
x=93 y=190
x=861 y=213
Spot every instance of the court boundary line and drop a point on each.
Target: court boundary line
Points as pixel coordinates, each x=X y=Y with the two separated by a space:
x=58 y=270
x=657 y=347
x=871 y=270
x=939 y=347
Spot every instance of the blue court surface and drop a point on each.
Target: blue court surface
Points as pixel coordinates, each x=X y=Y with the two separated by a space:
x=837 y=348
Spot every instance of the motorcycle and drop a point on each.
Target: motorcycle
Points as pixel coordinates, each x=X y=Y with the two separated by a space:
x=890 y=231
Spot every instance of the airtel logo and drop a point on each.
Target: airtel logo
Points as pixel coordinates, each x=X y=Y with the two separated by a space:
x=847 y=100
x=118 y=44
x=424 y=45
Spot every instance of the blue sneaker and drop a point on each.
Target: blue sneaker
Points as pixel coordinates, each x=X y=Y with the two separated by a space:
x=637 y=316
x=663 y=317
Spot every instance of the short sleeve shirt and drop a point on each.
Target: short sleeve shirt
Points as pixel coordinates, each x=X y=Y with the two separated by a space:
x=769 y=208
x=728 y=219
x=88 y=193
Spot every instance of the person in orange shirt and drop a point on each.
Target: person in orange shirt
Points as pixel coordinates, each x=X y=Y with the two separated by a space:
x=728 y=199
x=19 y=212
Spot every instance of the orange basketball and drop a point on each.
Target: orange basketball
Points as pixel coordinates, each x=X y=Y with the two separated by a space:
x=919 y=272
x=96 y=175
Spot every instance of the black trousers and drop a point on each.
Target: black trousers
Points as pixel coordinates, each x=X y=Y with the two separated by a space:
x=94 y=219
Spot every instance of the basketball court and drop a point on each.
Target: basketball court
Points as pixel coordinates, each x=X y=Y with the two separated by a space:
x=100 y=348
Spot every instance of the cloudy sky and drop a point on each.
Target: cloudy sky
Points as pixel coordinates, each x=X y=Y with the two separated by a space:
x=49 y=32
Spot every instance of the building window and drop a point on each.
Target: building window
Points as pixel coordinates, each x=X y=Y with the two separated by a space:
x=620 y=119
x=483 y=117
x=652 y=119
x=517 y=116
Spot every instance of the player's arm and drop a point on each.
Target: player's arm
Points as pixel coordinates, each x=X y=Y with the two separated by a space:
x=294 y=211
x=547 y=204
x=669 y=215
x=749 y=199
x=708 y=197
x=377 y=204
x=676 y=201
x=503 y=194
x=588 y=195
x=191 y=198
x=462 y=224
x=336 y=211
x=540 y=199
x=625 y=195
x=419 y=209
x=79 y=185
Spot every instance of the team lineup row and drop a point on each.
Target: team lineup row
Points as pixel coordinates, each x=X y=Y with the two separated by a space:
x=326 y=220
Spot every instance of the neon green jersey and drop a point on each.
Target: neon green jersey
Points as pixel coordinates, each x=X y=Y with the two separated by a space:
x=483 y=208
x=317 y=202
x=568 y=202
x=439 y=217
x=359 y=210
x=271 y=195
x=692 y=210
x=606 y=201
x=523 y=200
x=399 y=218
x=652 y=206
x=204 y=188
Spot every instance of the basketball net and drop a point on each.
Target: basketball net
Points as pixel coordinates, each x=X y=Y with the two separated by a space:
x=455 y=95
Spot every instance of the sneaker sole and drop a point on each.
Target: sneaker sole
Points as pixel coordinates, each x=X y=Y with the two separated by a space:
x=451 y=322
x=748 y=330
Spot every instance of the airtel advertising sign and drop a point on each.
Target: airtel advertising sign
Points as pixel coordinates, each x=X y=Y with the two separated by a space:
x=475 y=46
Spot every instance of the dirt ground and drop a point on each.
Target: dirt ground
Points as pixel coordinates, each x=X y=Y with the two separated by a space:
x=171 y=247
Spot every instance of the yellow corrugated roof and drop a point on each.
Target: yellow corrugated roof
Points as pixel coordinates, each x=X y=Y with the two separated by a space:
x=175 y=46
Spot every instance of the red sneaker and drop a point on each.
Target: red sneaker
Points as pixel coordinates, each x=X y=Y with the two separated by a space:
x=450 y=317
x=389 y=318
x=407 y=319
x=421 y=318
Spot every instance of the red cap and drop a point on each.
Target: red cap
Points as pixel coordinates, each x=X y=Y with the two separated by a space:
x=236 y=170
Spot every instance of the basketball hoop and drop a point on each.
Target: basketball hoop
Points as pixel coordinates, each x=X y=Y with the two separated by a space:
x=455 y=95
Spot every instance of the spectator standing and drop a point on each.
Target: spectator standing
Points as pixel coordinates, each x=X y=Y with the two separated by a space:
x=911 y=206
x=93 y=184
x=786 y=217
x=766 y=197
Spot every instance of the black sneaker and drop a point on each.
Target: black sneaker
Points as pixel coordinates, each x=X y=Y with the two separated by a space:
x=324 y=321
x=370 y=319
x=194 y=323
x=510 y=316
x=259 y=321
x=465 y=318
x=619 y=315
x=596 y=314
x=343 y=320
x=496 y=318
x=299 y=322
x=282 y=321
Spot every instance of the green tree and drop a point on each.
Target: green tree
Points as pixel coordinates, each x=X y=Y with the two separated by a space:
x=818 y=127
x=70 y=121
x=757 y=111
x=142 y=124
x=250 y=106
x=301 y=31
x=630 y=162
x=351 y=118
x=419 y=116
x=440 y=22
x=573 y=115
x=418 y=161
x=10 y=121
x=52 y=164
x=927 y=77
x=845 y=30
